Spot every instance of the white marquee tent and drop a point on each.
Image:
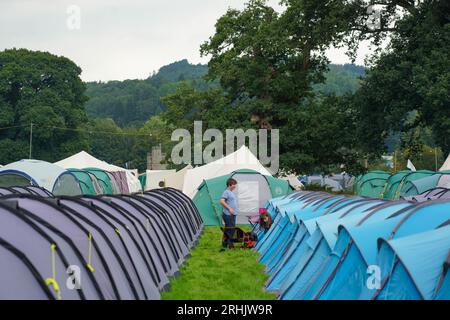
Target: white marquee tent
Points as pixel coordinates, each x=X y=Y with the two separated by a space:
x=240 y=159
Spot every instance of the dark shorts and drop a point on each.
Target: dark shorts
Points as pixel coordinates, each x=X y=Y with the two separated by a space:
x=230 y=222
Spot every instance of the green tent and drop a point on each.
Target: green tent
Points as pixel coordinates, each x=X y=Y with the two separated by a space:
x=404 y=185
x=371 y=184
x=253 y=191
x=102 y=178
x=393 y=183
x=143 y=180
x=88 y=182
x=419 y=186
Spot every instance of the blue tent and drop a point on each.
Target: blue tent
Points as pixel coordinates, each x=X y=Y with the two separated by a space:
x=361 y=250
x=320 y=245
x=413 y=265
x=290 y=264
x=443 y=286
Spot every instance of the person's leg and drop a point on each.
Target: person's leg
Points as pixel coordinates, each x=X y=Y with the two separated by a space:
x=232 y=231
x=227 y=235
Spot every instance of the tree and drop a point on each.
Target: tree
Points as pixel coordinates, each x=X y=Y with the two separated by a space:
x=268 y=63
x=46 y=90
x=412 y=77
x=320 y=137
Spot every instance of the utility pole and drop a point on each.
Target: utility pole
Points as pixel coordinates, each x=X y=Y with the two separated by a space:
x=435 y=158
x=395 y=161
x=31 y=139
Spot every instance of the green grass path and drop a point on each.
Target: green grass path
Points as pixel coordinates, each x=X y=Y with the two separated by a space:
x=210 y=274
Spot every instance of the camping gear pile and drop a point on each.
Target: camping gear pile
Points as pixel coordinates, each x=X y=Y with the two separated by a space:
x=323 y=246
x=401 y=184
x=235 y=235
x=93 y=247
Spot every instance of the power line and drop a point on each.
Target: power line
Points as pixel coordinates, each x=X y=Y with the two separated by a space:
x=99 y=132
x=12 y=127
x=81 y=130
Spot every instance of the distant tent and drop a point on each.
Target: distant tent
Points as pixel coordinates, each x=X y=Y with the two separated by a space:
x=446 y=165
x=85 y=160
x=371 y=184
x=410 y=177
x=40 y=173
x=324 y=181
x=344 y=179
x=293 y=181
x=393 y=184
x=142 y=180
x=419 y=186
x=209 y=192
x=119 y=181
x=88 y=182
x=157 y=178
x=105 y=180
x=241 y=159
x=176 y=180
x=432 y=194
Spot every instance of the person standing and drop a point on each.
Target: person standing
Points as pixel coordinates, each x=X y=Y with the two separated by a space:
x=230 y=211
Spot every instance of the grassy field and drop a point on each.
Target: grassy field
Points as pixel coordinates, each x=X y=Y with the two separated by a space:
x=211 y=274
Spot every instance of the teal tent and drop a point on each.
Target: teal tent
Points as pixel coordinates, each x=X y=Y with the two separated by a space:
x=371 y=184
x=253 y=191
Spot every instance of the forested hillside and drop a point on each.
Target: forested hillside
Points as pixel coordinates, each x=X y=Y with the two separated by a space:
x=132 y=102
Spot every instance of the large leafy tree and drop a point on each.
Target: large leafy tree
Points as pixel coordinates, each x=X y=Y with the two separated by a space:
x=268 y=60
x=267 y=64
x=408 y=88
x=46 y=90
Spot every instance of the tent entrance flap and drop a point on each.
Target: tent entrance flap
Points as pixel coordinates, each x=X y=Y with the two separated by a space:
x=252 y=193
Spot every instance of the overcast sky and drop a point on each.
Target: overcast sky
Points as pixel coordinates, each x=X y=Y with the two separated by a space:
x=118 y=39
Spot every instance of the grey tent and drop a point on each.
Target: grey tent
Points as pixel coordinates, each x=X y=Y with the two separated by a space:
x=125 y=246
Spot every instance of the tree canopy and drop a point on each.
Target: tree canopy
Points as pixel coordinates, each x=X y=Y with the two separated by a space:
x=408 y=87
x=46 y=90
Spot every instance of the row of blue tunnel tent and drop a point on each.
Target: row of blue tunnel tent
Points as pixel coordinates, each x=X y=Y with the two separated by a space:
x=404 y=184
x=337 y=247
